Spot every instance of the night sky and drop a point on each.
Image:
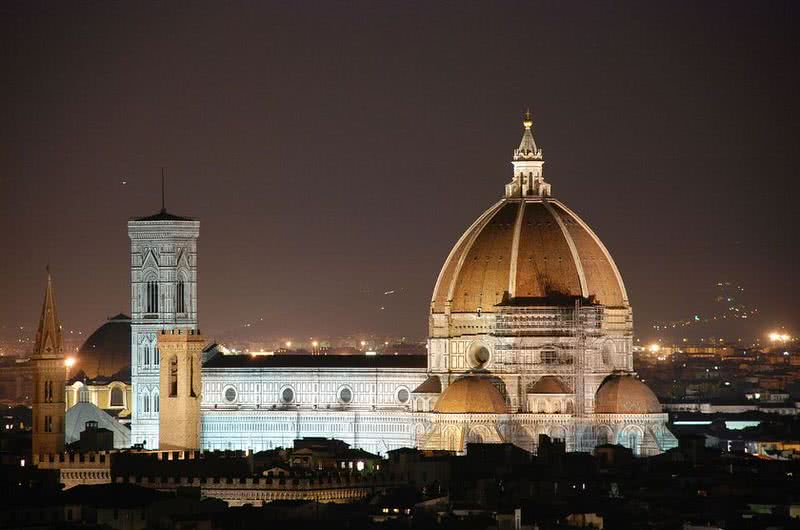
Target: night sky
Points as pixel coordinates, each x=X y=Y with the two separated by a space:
x=336 y=151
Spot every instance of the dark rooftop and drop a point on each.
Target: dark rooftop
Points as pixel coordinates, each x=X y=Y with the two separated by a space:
x=552 y=299
x=317 y=361
x=163 y=215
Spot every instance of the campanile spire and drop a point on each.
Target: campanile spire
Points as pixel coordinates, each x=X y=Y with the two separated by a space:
x=528 y=164
x=49 y=374
x=48 y=336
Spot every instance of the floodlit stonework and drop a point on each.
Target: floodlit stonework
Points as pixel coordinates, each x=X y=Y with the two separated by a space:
x=179 y=416
x=530 y=333
x=530 y=299
x=163 y=297
x=49 y=375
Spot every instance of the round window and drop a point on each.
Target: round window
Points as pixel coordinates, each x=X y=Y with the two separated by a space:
x=230 y=394
x=287 y=395
x=478 y=355
x=402 y=395
x=345 y=395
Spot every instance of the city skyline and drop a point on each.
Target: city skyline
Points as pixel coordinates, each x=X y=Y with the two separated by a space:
x=328 y=181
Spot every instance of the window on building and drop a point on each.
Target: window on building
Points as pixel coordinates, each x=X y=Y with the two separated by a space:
x=156 y=355
x=173 y=376
x=403 y=395
x=156 y=402
x=83 y=394
x=192 y=381
x=48 y=424
x=180 y=297
x=287 y=395
x=152 y=297
x=146 y=355
x=549 y=356
x=116 y=397
x=345 y=395
x=145 y=403
x=230 y=394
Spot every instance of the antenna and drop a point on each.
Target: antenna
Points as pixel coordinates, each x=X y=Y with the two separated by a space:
x=163 y=178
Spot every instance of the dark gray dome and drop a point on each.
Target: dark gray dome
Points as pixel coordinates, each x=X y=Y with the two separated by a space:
x=107 y=351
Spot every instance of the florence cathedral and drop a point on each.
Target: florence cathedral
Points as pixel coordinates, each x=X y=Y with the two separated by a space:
x=530 y=333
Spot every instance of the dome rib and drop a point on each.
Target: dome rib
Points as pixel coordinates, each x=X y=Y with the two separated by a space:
x=597 y=275
x=512 y=274
x=572 y=249
x=452 y=267
x=483 y=273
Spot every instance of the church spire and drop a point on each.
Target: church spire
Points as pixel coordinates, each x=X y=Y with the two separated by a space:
x=48 y=337
x=528 y=164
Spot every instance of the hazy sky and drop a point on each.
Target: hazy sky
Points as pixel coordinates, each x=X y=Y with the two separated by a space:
x=334 y=151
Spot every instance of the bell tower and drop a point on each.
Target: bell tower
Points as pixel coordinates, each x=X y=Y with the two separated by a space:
x=180 y=384
x=163 y=297
x=49 y=376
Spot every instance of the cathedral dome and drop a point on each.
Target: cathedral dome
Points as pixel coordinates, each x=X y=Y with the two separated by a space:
x=528 y=248
x=107 y=351
x=624 y=394
x=471 y=395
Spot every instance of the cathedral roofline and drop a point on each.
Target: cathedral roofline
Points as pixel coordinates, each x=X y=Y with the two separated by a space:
x=317 y=361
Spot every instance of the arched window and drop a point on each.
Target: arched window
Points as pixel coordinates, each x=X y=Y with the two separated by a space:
x=146 y=355
x=173 y=376
x=192 y=378
x=145 y=403
x=156 y=402
x=180 y=297
x=83 y=394
x=116 y=399
x=152 y=297
x=156 y=356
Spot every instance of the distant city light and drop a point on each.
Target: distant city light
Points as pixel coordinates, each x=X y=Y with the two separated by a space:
x=69 y=362
x=654 y=348
x=288 y=344
x=779 y=337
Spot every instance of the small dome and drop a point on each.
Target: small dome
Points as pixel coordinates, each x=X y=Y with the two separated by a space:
x=548 y=385
x=624 y=394
x=107 y=351
x=473 y=395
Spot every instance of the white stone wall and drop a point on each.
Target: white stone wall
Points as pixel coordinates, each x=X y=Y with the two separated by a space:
x=245 y=408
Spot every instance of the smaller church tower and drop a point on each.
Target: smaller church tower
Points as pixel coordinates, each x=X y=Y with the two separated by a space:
x=49 y=374
x=180 y=388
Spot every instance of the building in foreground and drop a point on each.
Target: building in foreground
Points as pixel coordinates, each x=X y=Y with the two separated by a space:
x=530 y=334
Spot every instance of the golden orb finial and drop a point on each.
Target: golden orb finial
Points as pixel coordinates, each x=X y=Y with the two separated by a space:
x=527 y=120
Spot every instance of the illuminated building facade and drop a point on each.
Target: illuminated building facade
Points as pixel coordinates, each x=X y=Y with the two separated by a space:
x=530 y=333
x=163 y=297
